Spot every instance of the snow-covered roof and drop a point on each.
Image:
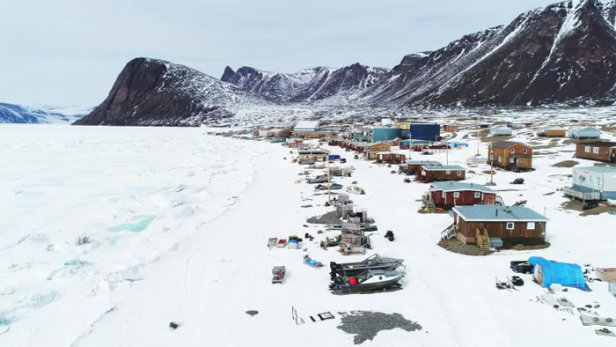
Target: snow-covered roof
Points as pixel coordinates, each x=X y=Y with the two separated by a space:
x=307 y=125
x=479 y=213
x=423 y=162
x=597 y=169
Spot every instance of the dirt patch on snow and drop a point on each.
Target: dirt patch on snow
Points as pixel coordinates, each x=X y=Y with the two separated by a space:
x=576 y=205
x=456 y=246
x=365 y=325
x=566 y=163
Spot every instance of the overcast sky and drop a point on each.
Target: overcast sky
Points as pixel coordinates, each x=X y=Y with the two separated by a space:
x=69 y=52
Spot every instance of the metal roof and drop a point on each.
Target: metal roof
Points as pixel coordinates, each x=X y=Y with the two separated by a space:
x=479 y=213
x=506 y=144
x=598 y=144
x=444 y=168
x=423 y=162
x=459 y=186
x=598 y=169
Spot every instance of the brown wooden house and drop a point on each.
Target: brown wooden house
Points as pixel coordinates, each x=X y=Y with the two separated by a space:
x=375 y=148
x=449 y=194
x=412 y=166
x=431 y=173
x=391 y=158
x=449 y=128
x=552 y=132
x=511 y=155
x=597 y=150
x=512 y=224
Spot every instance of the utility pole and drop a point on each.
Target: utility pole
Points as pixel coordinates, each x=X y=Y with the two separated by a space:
x=329 y=184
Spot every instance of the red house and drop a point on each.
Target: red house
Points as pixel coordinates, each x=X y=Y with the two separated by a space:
x=449 y=194
x=434 y=173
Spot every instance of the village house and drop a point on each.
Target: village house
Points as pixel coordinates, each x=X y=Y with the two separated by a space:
x=314 y=155
x=450 y=128
x=513 y=225
x=511 y=155
x=501 y=131
x=412 y=166
x=449 y=194
x=373 y=149
x=593 y=183
x=307 y=129
x=584 y=133
x=599 y=151
x=390 y=157
x=431 y=173
x=552 y=131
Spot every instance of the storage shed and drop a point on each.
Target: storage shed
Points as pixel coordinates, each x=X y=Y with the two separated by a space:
x=386 y=134
x=501 y=131
x=584 y=133
x=513 y=224
x=552 y=131
x=593 y=183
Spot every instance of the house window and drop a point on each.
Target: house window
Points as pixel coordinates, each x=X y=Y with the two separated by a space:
x=477 y=195
x=510 y=226
x=511 y=160
x=530 y=226
x=448 y=172
x=597 y=181
x=459 y=173
x=595 y=150
x=500 y=159
x=525 y=151
x=513 y=151
x=456 y=194
x=587 y=149
x=443 y=195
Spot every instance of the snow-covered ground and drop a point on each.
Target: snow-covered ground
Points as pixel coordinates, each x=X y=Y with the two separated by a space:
x=177 y=224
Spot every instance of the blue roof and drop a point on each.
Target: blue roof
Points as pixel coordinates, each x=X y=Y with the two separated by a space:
x=457 y=186
x=598 y=169
x=499 y=213
x=444 y=167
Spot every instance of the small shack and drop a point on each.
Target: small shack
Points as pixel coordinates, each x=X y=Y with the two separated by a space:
x=511 y=155
x=431 y=173
x=552 y=131
x=598 y=150
x=547 y=272
x=312 y=155
x=501 y=131
x=449 y=194
x=584 y=133
x=450 y=128
x=593 y=183
x=512 y=224
x=390 y=157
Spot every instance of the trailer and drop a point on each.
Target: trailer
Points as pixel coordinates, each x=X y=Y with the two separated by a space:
x=278 y=274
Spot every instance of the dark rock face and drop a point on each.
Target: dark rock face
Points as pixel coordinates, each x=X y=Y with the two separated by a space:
x=155 y=92
x=561 y=54
x=305 y=86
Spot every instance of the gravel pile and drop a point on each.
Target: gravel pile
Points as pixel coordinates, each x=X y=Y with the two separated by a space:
x=330 y=218
x=366 y=324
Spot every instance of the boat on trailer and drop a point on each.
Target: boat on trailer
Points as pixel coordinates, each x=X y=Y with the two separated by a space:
x=369 y=281
x=373 y=262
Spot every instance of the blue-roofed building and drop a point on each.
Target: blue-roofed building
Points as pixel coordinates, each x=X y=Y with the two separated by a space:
x=593 y=183
x=510 y=224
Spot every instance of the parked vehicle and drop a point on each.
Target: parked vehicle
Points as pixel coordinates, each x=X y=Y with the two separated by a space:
x=343 y=160
x=318 y=179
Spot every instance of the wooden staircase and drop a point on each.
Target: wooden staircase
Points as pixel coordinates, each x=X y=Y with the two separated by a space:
x=499 y=201
x=483 y=240
x=449 y=233
x=428 y=203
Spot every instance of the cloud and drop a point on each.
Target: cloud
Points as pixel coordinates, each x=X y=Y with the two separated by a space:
x=66 y=52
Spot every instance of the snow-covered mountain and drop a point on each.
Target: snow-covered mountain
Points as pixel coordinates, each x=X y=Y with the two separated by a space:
x=10 y=113
x=156 y=92
x=310 y=85
x=564 y=53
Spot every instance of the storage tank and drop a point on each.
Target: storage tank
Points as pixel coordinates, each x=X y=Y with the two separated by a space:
x=428 y=132
x=386 y=134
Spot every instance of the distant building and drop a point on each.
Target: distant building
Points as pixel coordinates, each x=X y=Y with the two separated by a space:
x=501 y=131
x=598 y=150
x=428 y=132
x=432 y=173
x=385 y=134
x=552 y=131
x=584 y=133
x=511 y=155
x=450 y=194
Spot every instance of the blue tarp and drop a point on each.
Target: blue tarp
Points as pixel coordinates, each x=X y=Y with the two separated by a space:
x=568 y=275
x=334 y=156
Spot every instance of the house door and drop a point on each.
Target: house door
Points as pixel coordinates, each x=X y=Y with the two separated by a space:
x=612 y=155
x=489 y=199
